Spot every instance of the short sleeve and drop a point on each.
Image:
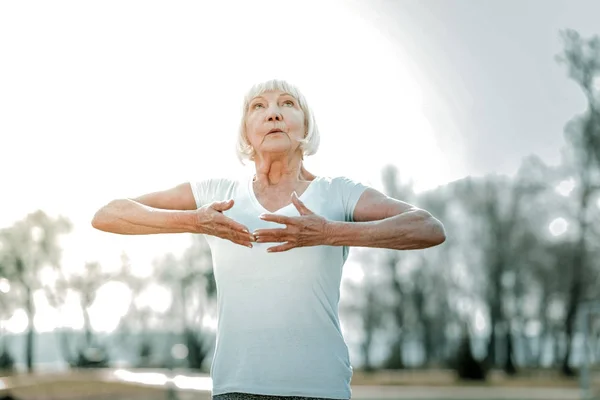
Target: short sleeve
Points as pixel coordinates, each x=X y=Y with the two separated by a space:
x=199 y=190
x=208 y=190
x=349 y=192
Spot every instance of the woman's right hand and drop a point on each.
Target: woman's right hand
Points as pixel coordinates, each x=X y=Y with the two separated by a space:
x=212 y=221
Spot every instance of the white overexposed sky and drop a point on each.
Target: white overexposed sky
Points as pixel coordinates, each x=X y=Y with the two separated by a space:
x=100 y=100
x=113 y=99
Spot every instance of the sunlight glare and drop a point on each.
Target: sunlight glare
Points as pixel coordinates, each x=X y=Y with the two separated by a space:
x=146 y=378
x=353 y=272
x=179 y=351
x=71 y=314
x=566 y=187
x=4 y=285
x=209 y=322
x=45 y=316
x=156 y=297
x=18 y=322
x=480 y=323
x=48 y=276
x=152 y=85
x=201 y=383
x=558 y=226
x=111 y=304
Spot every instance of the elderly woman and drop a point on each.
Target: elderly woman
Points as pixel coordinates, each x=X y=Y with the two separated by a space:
x=278 y=240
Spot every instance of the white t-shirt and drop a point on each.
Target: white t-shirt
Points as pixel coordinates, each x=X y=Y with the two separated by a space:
x=278 y=330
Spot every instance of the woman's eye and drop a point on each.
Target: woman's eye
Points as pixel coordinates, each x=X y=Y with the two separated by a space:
x=257 y=105
x=289 y=103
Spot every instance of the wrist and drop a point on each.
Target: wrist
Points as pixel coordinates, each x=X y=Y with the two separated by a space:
x=189 y=220
x=333 y=233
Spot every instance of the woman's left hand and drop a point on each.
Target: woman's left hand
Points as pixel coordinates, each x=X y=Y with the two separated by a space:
x=309 y=229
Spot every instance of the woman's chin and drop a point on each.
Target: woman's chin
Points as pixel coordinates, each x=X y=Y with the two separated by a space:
x=279 y=148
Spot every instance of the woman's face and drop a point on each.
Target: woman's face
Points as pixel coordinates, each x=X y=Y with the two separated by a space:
x=275 y=123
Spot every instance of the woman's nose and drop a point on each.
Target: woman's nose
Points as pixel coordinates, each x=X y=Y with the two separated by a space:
x=274 y=115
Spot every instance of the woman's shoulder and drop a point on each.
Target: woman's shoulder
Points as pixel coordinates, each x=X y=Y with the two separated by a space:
x=220 y=180
x=206 y=190
x=217 y=184
x=338 y=180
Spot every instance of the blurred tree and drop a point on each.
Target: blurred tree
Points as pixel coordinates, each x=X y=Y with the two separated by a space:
x=364 y=302
x=392 y=260
x=497 y=205
x=7 y=361
x=467 y=366
x=28 y=246
x=135 y=326
x=431 y=279
x=192 y=283
x=582 y=58
x=85 y=286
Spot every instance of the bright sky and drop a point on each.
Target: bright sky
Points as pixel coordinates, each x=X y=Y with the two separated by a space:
x=100 y=100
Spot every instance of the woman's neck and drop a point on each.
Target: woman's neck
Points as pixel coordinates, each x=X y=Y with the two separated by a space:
x=280 y=172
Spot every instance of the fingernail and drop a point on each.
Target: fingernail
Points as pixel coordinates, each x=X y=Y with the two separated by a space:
x=294 y=194
x=246 y=231
x=249 y=245
x=261 y=216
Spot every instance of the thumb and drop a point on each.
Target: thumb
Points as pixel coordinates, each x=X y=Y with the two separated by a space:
x=300 y=205
x=223 y=205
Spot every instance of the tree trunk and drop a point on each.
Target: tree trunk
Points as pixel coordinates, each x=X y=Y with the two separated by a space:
x=570 y=326
x=366 y=351
x=88 y=327
x=65 y=348
x=429 y=345
x=495 y=315
x=30 y=338
x=576 y=287
x=394 y=359
x=509 y=363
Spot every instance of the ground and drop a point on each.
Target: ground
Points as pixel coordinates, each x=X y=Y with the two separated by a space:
x=432 y=385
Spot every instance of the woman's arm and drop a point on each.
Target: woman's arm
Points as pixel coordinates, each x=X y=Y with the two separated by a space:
x=168 y=211
x=171 y=211
x=383 y=222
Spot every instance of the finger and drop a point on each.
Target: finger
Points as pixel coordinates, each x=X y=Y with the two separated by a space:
x=280 y=248
x=229 y=223
x=236 y=226
x=302 y=209
x=280 y=219
x=222 y=205
x=274 y=239
x=241 y=238
x=246 y=237
x=269 y=232
x=271 y=235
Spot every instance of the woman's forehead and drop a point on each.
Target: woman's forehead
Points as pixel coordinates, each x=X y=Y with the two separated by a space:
x=272 y=93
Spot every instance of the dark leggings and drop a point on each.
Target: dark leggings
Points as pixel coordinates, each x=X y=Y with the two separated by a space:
x=250 y=396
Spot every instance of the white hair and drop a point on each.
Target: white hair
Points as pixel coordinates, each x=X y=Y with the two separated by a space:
x=309 y=144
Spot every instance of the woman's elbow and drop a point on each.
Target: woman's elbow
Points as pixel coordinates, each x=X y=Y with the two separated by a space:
x=99 y=221
x=437 y=234
x=102 y=219
x=434 y=232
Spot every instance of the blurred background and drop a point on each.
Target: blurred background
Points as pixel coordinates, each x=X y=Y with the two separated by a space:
x=485 y=113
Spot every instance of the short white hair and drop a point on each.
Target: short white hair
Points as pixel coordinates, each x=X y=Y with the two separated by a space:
x=310 y=143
